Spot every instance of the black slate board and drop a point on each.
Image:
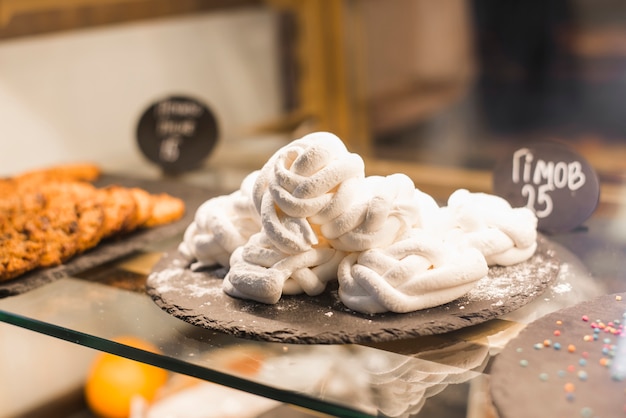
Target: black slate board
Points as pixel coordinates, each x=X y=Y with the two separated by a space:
x=109 y=250
x=530 y=382
x=197 y=297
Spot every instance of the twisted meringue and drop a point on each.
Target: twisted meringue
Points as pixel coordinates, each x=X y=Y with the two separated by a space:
x=309 y=180
x=383 y=209
x=260 y=271
x=220 y=225
x=428 y=210
x=504 y=235
x=414 y=273
x=303 y=175
x=310 y=216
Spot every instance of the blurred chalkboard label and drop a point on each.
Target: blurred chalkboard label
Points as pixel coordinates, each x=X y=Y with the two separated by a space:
x=559 y=185
x=177 y=133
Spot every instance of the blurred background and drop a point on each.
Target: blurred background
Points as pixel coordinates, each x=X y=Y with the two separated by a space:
x=424 y=87
x=448 y=83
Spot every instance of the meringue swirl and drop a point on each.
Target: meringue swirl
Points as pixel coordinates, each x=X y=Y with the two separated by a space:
x=504 y=235
x=259 y=271
x=220 y=225
x=384 y=208
x=411 y=274
x=310 y=216
x=308 y=180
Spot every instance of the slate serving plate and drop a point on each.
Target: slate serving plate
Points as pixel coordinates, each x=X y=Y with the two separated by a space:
x=109 y=250
x=197 y=298
x=534 y=377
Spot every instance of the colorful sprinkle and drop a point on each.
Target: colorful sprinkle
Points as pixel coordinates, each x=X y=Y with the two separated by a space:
x=618 y=298
x=606 y=333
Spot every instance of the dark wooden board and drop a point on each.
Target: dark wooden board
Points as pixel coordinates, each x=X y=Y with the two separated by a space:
x=111 y=249
x=197 y=297
x=537 y=389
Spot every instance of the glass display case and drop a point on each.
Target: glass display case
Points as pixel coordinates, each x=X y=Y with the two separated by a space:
x=444 y=120
x=446 y=372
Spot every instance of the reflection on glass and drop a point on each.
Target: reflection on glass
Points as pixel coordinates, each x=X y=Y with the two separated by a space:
x=393 y=379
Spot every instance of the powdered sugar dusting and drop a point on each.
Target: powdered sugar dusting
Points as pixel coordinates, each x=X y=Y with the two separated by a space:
x=196 y=290
x=562 y=288
x=173 y=280
x=162 y=280
x=198 y=297
x=504 y=283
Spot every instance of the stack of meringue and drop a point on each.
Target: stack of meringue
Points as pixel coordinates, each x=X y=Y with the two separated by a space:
x=311 y=216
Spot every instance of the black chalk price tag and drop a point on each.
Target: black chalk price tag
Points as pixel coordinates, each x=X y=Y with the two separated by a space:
x=177 y=133
x=550 y=178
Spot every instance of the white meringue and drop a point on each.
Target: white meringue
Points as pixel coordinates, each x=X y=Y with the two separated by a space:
x=221 y=224
x=308 y=180
x=259 y=271
x=384 y=208
x=411 y=274
x=290 y=234
x=305 y=185
x=504 y=235
x=428 y=210
x=310 y=216
x=302 y=176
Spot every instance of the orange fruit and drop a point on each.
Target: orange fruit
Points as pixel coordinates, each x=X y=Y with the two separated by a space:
x=113 y=381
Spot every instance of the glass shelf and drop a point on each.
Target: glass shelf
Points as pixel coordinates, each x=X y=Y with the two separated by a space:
x=411 y=377
x=93 y=314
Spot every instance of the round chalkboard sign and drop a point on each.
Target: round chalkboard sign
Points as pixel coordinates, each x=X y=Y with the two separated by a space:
x=550 y=178
x=177 y=133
